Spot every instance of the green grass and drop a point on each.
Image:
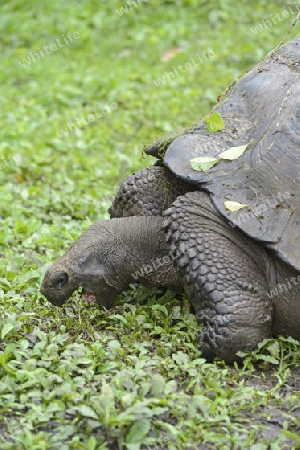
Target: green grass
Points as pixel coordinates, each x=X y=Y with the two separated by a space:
x=132 y=378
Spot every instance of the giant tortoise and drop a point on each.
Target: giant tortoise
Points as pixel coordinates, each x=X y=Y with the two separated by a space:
x=218 y=216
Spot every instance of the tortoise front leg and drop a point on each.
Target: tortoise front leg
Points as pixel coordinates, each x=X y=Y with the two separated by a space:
x=223 y=275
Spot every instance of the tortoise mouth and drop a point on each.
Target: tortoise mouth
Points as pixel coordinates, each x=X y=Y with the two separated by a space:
x=57 y=296
x=103 y=295
x=55 y=300
x=88 y=297
x=103 y=298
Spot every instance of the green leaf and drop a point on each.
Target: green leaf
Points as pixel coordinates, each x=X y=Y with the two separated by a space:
x=203 y=163
x=106 y=402
x=138 y=431
x=274 y=349
x=87 y=411
x=180 y=358
x=214 y=122
x=92 y=443
x=4 y=365
x=7 y=327
x=268 y=358
x=258 y=446
x=233 y=206
x=291 y=435
x=157 y=384
x=234 y=152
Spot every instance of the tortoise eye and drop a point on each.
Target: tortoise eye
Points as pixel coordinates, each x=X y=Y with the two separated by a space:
x=61 y=280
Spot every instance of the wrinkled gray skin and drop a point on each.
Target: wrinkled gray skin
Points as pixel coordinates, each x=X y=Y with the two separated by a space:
x=106 y=257
x=228 y=277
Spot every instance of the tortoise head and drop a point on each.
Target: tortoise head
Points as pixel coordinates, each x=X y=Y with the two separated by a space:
x=86 y=264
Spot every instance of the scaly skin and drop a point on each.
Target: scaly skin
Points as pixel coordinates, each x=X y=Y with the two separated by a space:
x=229 y=278
x=147 y=192
x=224 y=276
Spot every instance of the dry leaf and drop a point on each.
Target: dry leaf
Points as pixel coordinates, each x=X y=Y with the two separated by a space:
x=233 y=206
x=19 y=178
x=233 y=152
x=169 y=54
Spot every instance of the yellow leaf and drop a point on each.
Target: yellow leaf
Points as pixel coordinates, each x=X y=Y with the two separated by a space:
x=19 y=178
x=233 y=152
x=233 y=206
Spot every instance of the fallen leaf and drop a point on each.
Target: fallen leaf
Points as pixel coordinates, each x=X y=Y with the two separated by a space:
x=233 y=152
x=232 y=206
x=214 y=122
x=19 y=178
x=203 y=163
x=170 y=54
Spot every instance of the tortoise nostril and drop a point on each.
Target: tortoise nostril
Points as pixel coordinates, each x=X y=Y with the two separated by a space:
x=61 y=280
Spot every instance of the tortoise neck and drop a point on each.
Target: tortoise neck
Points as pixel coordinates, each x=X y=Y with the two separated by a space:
x=144 y=253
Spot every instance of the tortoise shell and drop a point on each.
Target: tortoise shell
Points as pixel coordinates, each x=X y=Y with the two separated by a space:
x=262 y=110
